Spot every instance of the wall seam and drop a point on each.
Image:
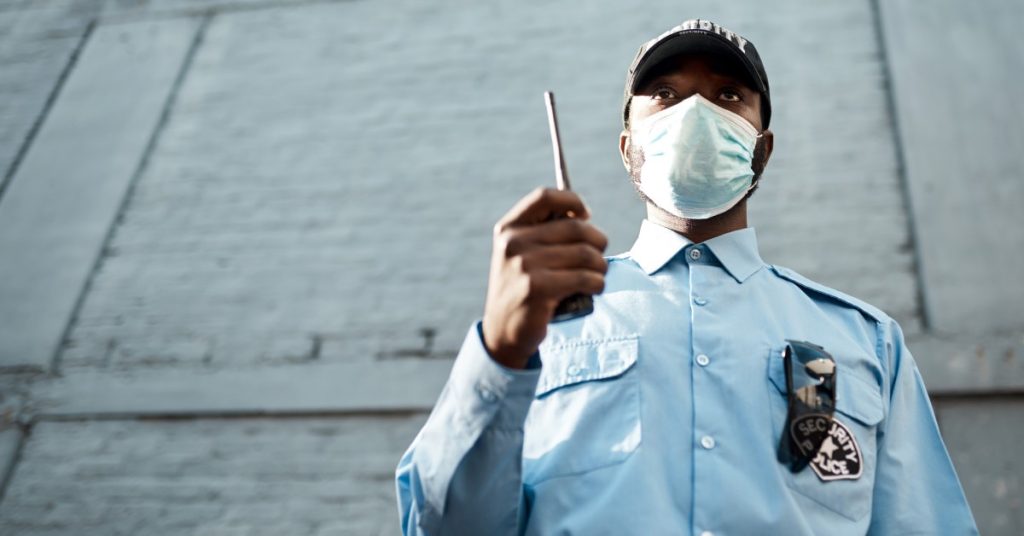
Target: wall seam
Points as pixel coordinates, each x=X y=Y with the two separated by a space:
x=922 y=302
x=12 y=464
x=140 y=169
x=51 y=99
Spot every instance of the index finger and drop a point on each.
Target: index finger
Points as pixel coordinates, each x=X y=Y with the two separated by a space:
x=544 y=204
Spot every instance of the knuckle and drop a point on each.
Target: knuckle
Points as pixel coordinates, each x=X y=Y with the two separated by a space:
x=508 y=243
x=520 y=263
x=540 y=194
x=513 y=244
x=577 y=228
x=501 y=241
x=587 y=255
x=592 y=283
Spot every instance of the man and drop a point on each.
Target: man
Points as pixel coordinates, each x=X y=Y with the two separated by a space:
x=708 y=392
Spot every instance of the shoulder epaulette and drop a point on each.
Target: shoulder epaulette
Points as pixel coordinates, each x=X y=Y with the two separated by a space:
x=870 y=310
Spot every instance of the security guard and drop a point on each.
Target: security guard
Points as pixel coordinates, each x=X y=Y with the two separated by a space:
x=708 y=392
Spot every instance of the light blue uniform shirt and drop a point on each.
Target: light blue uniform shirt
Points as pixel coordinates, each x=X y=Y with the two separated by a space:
x=661 y=413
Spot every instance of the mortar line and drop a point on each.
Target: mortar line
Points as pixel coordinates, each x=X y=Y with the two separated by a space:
x=1013 y=394
x=233 y=415
x=51 y=99
x=923 y=304
x=140 y=169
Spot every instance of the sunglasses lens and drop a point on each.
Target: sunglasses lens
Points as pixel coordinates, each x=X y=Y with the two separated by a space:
x=821 y=367
x=810 y=379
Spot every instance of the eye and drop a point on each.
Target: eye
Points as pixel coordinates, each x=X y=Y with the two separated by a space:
x=730 y=95
x=663 y=92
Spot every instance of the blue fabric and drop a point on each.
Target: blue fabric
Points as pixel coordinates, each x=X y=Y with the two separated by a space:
x=661 y=413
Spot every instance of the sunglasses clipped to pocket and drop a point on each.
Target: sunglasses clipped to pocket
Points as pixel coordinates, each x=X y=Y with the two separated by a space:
x=811 y=402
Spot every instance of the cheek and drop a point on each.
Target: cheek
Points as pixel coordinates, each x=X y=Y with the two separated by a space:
x=641 y=109
x=635 y=155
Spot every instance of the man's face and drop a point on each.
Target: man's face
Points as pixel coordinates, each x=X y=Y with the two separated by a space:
x=681 y=77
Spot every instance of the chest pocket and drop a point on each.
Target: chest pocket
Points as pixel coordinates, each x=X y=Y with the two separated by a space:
x=586 y=414
x=859 y=409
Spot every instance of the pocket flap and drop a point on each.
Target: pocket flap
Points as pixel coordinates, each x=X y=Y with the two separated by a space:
x=582 y=360
x=859 y=400
x=855 y=398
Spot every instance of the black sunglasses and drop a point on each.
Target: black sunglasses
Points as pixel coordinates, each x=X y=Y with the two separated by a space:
x=811 y=399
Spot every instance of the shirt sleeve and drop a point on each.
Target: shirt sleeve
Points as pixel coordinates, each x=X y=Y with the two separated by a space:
x=916 y=487
x=463 y=472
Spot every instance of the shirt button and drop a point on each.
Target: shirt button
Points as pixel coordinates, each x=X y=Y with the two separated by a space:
x=695 y=254
x=700 y=300
x=486 y=394
x=707 y=442
x=703 y=360
x=574 y=370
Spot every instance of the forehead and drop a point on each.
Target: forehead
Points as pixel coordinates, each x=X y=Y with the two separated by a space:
x=698 y=65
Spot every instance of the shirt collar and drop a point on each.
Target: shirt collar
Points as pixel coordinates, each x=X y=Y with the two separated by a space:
x=736 y=250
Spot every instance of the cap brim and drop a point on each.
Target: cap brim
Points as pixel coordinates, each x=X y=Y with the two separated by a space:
x=696 y=42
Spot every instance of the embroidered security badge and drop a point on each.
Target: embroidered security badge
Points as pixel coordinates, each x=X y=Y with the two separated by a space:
x=839 y=456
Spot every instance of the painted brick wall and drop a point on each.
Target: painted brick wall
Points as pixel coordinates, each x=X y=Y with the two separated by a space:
x=301 y=476
x=323 y=191
x=321 y=179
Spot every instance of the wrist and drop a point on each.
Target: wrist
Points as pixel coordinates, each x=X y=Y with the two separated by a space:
x=505 y=355
x=508 y=358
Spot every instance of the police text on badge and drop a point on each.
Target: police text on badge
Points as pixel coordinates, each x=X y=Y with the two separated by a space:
x=839 y=456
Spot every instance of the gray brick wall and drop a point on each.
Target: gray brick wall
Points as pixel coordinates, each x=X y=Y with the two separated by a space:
x=324 y=179
x=296 y=476
x=321 y=193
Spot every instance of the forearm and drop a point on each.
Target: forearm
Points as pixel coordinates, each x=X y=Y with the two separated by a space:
x=463 y=471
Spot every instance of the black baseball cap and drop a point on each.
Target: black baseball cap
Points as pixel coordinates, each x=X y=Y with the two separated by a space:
x=704 y=36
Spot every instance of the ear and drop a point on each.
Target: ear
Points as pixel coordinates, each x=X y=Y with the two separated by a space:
x=624 y=141
x=762 y=151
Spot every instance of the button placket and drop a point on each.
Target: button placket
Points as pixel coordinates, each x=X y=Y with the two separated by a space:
x=704 y=281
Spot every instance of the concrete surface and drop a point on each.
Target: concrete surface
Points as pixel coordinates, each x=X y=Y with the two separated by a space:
x=964 y=199
x=985 y=430
x=68 y=189
x=306 y=240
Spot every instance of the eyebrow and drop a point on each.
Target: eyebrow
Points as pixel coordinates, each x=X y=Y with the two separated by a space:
x=715 y=70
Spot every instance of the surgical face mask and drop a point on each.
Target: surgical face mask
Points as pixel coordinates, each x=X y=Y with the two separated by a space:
x=697 y=158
